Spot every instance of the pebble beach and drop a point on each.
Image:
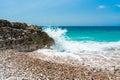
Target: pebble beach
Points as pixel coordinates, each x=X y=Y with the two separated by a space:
x=26 y=66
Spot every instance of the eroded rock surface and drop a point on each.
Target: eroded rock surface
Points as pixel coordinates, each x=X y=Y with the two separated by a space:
x=23 y=37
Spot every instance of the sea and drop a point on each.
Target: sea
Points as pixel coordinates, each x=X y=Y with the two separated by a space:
x=96 y=46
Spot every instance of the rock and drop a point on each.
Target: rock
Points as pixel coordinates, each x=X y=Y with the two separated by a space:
x=18 y=25
x=5 y=23
x=23 y=37
x=35 y=27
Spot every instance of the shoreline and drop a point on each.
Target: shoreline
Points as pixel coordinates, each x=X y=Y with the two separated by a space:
x=25 y=65
x=93 y=59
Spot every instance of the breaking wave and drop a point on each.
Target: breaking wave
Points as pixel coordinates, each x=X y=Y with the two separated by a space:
x=91 y=53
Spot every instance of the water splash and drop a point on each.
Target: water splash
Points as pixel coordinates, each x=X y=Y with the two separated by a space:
x=88 y=52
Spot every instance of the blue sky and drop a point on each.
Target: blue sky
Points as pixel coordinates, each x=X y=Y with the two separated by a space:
x=62 y=12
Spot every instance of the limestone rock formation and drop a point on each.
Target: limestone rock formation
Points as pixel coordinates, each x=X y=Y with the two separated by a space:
x=23 y=37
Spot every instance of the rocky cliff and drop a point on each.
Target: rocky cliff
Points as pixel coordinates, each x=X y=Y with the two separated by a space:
x=23 y=37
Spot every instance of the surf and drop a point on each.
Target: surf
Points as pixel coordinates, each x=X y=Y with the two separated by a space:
x=93 y=53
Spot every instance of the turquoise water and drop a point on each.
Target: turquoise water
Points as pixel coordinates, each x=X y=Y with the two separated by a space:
x=102 y=34
x=94 y=46
x=85 y=38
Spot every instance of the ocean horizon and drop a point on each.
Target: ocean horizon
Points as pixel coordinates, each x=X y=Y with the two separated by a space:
x=60 y=40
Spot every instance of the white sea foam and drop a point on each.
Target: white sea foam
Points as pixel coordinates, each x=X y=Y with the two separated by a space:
x=92 y=53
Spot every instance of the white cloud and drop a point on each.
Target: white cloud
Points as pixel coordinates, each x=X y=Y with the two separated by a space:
x=118 y=5
x=101 y=6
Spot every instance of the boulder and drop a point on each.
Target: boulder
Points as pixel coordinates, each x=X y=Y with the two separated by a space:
x=18 y=25
x=5 y=23
x=23 y=37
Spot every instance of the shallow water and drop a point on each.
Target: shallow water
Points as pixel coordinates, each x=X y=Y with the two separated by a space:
x=89 y=46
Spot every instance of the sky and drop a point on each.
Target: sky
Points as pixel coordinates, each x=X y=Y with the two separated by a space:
x=62 y=12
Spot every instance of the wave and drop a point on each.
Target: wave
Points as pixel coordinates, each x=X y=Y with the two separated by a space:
x=89 y=52
x=64 y=43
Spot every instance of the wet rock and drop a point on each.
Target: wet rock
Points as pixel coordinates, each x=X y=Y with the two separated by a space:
x=23 y=37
